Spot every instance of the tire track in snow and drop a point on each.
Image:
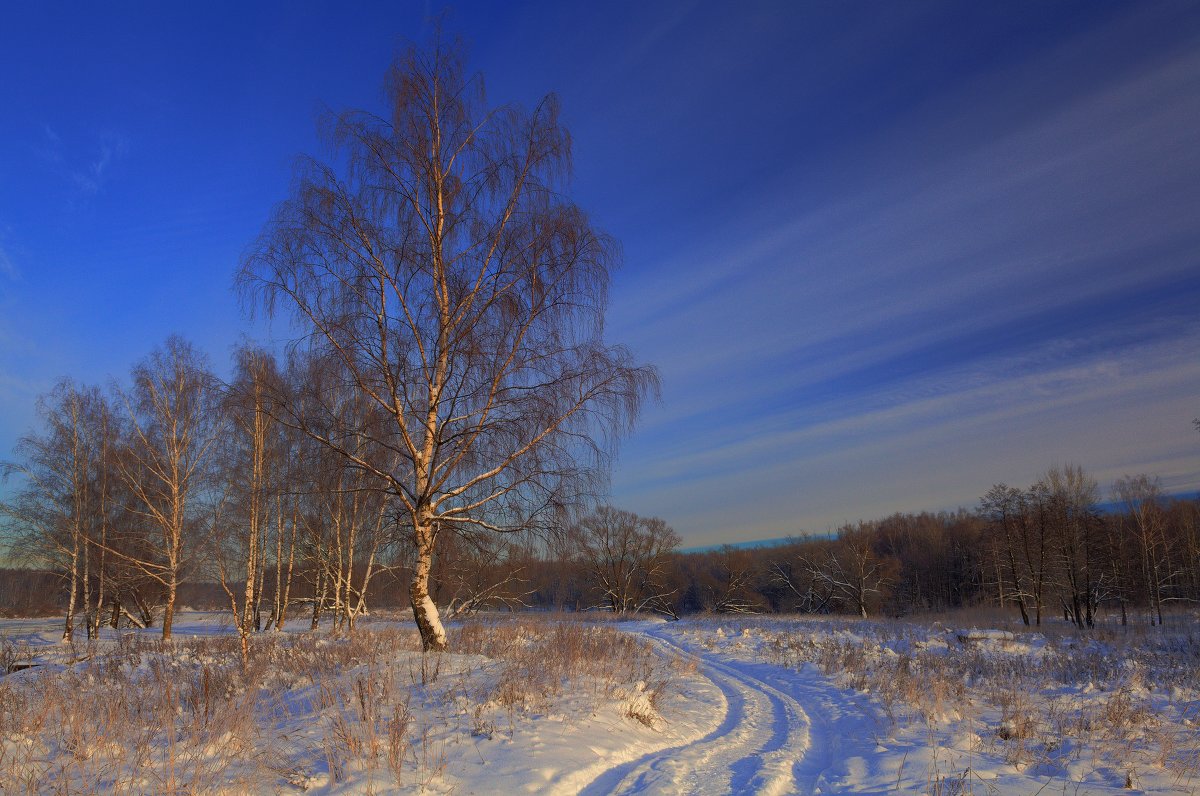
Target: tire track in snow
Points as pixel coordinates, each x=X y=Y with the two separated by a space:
x=765 y=744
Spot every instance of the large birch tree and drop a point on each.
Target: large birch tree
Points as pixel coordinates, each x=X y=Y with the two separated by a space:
x=440 y=270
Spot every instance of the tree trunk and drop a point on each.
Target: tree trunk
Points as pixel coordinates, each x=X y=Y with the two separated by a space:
x=102 y=582
x=319 y=595
x=252 y=555
x=1019 y=591
x=276 y=605
x=287 y=583
x=433 y=635
x=87 y=590
x=69 y=625
x=169 y=613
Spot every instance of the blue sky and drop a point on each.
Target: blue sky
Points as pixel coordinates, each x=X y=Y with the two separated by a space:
x=884 y=254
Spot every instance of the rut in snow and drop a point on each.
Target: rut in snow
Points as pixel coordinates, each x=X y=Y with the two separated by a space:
x=782 y=733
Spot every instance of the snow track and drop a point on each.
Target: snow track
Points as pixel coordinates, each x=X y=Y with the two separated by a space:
x=768 y=742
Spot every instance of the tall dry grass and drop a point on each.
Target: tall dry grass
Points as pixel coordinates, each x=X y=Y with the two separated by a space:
x=1117 y=698
x=140 y=715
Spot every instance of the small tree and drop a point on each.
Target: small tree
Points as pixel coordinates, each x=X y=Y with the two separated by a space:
x=62 y=509
x=252 y=460
x=796 y=574
x=1144 y=519
x=175 y=421
x=1006 y=511
x=441 y=273
x=855 y=572
x=627 y=556
x=727 y=581
x=480 y=572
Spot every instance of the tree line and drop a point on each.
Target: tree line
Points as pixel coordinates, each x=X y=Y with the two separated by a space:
x=1053 y=549
x=180 y=481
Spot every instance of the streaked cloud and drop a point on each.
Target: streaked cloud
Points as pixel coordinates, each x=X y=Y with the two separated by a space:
x=908 y=344
x=884 y=255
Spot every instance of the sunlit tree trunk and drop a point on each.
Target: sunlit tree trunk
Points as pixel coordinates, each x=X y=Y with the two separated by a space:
x=281 y=617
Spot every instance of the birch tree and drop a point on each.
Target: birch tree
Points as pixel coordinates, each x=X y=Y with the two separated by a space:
x=60 y=507
x=1142 y=499
x=628 y=558
x=1070 y=498
x=253 y=455
x=1006 y=511
x=440 y=266
x=174 y=422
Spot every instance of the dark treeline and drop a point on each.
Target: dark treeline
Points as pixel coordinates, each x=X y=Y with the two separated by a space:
x=1049 y=550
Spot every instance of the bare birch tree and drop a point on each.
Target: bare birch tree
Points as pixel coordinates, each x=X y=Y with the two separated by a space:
x=1142 y=498
x=175 y=422
x=442 y=269
x=628 y=557
x=1007 y=512
x=252 y=459
x=59 y=509
x=1070 y=498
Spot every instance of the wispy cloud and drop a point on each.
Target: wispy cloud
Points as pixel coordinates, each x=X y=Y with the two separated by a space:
x=8 y=268
x=1025 y=298
x=8 y=260
x=88 y=168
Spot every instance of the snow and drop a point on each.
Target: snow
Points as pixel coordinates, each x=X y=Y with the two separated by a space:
x=750 y=705
x=1077 y=714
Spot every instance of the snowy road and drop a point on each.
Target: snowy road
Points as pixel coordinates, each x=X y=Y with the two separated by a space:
x=783 y=732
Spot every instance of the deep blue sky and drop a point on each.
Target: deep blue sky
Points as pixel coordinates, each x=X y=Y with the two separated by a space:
x=884 y=254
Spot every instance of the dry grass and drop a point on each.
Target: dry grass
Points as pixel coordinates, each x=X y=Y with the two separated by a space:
x=183 y=717
x=1123 y=699
x=142 y=716
x=541 y=658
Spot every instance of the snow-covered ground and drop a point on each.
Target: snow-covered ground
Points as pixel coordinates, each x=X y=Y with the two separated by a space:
x=528 y=705
x=884 y=707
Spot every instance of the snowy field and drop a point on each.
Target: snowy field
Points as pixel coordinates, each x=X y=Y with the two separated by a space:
x=541 y=705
